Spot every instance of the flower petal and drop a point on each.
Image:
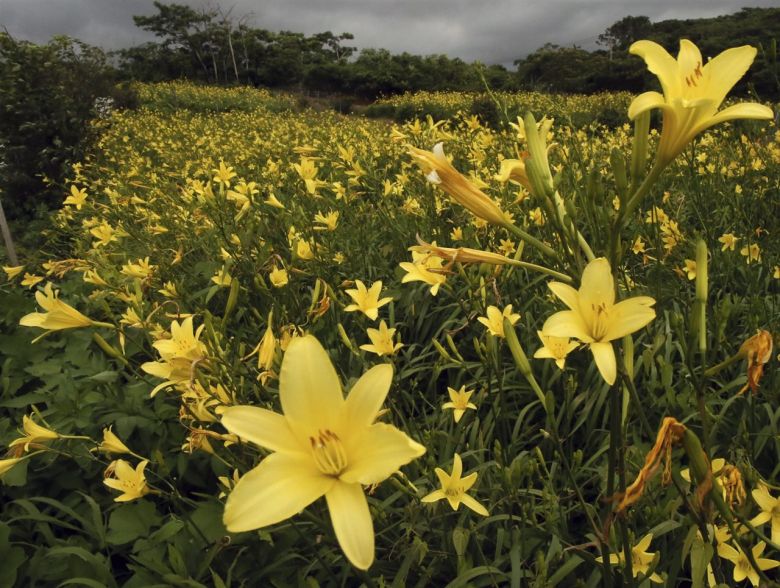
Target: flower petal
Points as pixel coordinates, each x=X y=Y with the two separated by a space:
x=764 y=499
x=598 y=286
x=644 y=102
x=434 y=496
x=661 y=64
x=467 y=482
x=352 y=523
x=566 y=293
x=629 y=315
x=725 y=70
x=604 y=355
x=281 y=486
x=367 y=396
x=309 y=388
x=749 y=110
x=567 y=323
x=262 y=427
x=377 y=453
x=472 y=503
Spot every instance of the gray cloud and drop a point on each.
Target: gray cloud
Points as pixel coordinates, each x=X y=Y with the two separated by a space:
x=493 y=31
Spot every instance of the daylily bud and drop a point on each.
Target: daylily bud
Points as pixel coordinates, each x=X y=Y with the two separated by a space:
x=461 y=189
x=639 y=151
x=232 y=298
x=112 y=444
x=702 y=285
x=618 y=163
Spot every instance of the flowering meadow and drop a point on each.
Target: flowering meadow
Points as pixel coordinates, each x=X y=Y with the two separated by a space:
x=266 y=346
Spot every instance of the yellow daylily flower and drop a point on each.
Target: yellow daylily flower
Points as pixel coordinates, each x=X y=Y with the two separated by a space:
x=742 y=566
x=178 y=353
x=751 y=253
x=328 y=221
x=459 y=402
x=729 y=241
x=111 y=443
x=640 y=559
x=279 y=277
x=58 y=315
x=33 y=433
x=514 y=170
x=222 y=278
x=6 y=465
x=381 y=341
x=266 y=348
x=12 y=271
x=454 y=488
x=424 y=268
x=770 y=511
x=223 y=174
x=272 y=200
x=76 y=198
x=30 y=280
x=692 y=92
x=323 y=445
x=131 y=482
x=494 y=321
x=593 y=316
x=367 y=299
x=556 y=348
x=140 y=269
x=441 y=172
x=303 y=250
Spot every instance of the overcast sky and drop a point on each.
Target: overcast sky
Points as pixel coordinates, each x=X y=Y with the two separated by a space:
x=491 y=31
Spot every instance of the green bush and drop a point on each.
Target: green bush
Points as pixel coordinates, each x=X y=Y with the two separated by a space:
x=48 y=96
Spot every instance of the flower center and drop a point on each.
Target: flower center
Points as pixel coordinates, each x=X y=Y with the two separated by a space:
x=692 y=80
x=453 y=491
x=329 y=454
x=600 y=321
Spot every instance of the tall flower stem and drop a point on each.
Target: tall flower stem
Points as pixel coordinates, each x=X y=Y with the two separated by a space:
x=531 y=240
x=625 y=212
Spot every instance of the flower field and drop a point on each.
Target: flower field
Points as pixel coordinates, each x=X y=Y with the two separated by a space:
x=272 y=347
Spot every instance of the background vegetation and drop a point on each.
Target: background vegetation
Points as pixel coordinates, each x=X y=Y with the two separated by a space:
x=152 y=176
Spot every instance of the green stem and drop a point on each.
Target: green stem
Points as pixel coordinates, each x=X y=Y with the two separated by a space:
x=531 y=240
x=541 y=269
x=708 y=373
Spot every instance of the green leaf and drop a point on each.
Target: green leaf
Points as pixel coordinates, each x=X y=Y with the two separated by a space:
x=131 y=521
x=12 y=558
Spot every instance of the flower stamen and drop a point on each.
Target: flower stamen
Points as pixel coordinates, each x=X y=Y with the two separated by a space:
x=329 y=454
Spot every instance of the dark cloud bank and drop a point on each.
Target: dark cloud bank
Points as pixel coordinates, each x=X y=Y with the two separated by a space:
x=496 y=31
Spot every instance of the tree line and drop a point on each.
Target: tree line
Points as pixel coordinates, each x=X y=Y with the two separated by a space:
x=214 y=46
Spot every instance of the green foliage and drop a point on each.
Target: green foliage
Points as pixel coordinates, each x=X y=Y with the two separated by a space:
x=209 y=45
x=47 y=94
x=153 y=168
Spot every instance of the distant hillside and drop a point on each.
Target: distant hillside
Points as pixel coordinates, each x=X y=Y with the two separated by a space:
x=572 y=69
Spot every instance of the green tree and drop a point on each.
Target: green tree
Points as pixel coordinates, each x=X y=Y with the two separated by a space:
x=47 y=93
